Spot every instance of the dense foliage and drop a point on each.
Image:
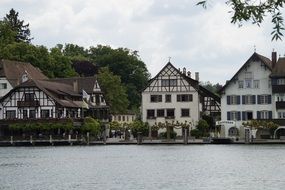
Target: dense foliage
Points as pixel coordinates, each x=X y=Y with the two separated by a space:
x=125 y=67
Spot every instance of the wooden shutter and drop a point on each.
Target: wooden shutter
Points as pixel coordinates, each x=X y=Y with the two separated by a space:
x=258 y=114
x=228 y=115
x=258 y=99
x=270 y=114
x=238 y=99
x=228 y=100
x=243 y=99
x=269 y=99
x=253 y=99
x=243 y=115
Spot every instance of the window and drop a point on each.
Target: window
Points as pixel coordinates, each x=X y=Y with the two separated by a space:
x=160 y=113
x=155 y=98
x=240 y=84
x=3 y=85
x=10 y=114
x=256 y=84
x=184 y=98
x=247 y=115
x=170 y=113
x=248 y=99
x=25 y=114
x=248 y=83
x=281 y=115
x=185 y=112
x=264 y=114
x=168 y=98
x=32 y=114
x=169 y=82
x=150 y=114
x=233 y=115
x=280 y=81
x=233 y=100
x=44 y=113
x=119 y=118
x=123 y=118
x=29 y=97
x=264 y=99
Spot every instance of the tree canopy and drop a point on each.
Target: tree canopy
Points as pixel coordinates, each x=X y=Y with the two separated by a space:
x=21 y=30
x=255 y=12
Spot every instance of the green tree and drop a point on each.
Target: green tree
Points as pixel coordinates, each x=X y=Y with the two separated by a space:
x=61 y=64
x=115 y=92
x=75 y=52
x=91 y=125
x=7 y=35
x=212 y=87
x=255 y=11
x=126 y=64
x=22 y=30
x=203 y=127
x=139 y=126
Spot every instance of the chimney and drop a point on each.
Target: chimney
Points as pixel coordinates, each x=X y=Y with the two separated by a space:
x=189 y=74
x=273 y=59
x=75 y=86
x=197 y=76
x=184 y=71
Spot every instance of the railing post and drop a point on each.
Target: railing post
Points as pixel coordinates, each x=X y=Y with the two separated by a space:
x=11 y=140
x=50 y=140
x=31 y=139
x=87 y=138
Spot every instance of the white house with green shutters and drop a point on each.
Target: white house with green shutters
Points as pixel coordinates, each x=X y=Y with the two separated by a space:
x=247 y=96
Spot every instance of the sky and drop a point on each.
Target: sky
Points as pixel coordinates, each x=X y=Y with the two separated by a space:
x=201 y=40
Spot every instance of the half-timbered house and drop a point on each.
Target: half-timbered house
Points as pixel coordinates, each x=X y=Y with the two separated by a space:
x=173 y=96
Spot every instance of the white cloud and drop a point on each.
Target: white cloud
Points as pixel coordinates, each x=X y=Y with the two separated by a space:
x=201 y=40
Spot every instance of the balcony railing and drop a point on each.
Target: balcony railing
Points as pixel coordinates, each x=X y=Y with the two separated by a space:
x=280 y=105
x=35 y=103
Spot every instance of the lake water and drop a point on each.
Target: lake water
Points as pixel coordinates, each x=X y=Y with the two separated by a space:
x=144 y=167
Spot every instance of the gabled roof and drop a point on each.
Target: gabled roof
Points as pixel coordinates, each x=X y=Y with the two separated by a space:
x=194 y=83
x=190 y=80
x=84 y=83
x=279 y=68
x=254 y=57
x=14 y=70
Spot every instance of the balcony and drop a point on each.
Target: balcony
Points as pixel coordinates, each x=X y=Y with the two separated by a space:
x=278 y=88
x=280 y=105
x=34 y=103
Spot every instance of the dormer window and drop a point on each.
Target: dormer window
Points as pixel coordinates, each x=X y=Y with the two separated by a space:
x=29 y=97
x=24 y=77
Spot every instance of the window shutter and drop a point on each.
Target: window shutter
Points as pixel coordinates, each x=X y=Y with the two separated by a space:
x=269 y=99
x=243 y=116
x=238 y=116
x=238 y=99
x=253 y=99
x=178 y=98
x=270 y=114
x=243 y=99
x=258 y=99
x=190 y=97
x=258 y=114
x=228 y=100
x=228 y=115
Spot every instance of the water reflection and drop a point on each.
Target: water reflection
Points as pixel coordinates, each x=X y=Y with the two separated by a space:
x=143 y=167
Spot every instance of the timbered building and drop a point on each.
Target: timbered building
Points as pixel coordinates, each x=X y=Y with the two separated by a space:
x=11 y=73
x=173 y=96
x=38 y=99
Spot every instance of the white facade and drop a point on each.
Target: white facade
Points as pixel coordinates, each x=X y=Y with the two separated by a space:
x=5 y=86
x=170 y=98
x=247 y=96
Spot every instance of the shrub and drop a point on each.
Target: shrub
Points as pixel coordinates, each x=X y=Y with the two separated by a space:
x=91 y=125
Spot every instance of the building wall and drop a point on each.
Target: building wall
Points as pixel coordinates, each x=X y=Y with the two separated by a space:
x=193 y=106
x=5 y=86
x=261 y=73
x=123 y=118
